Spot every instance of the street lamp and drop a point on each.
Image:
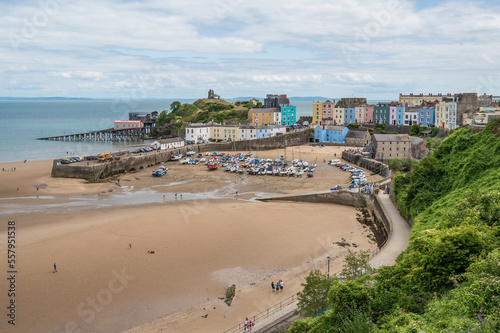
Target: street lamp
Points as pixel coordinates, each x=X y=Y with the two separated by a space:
x=328 y=264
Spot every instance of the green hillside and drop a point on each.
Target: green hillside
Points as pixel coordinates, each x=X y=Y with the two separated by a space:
x=205 y=110
x=448 y=279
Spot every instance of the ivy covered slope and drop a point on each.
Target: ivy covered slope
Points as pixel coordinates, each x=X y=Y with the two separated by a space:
x=448 y=279
x=204 y=110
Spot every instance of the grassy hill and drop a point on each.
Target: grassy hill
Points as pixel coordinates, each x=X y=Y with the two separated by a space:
x=205 y=110
x=448 y=279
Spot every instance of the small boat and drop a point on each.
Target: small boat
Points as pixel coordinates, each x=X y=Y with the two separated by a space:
x=160 y=172
x=213 y=166
x=185 y=160
x=175 y=157
x=190 y=153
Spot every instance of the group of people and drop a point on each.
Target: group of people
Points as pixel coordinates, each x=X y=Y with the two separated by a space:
x=248 y=324
x=279 y=286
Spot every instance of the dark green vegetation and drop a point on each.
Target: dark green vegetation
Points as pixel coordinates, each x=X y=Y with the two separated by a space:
x=203 y=111
x=448 y=279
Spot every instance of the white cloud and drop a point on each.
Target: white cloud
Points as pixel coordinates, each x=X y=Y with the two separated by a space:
x=181 y=49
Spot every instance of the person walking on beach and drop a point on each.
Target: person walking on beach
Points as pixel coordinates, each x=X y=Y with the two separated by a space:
x=272 y=286
x=281 y=285
x=181 y=196
x=130 y=245
x=175 y=196
x=277 y=287
x=55 y=268
x=246 y=324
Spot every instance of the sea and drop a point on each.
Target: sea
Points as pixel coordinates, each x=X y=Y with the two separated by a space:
x=23 y=121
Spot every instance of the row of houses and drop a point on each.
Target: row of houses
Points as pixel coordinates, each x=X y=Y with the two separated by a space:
x=200 y=133
x=444 y=111
x=277 y=111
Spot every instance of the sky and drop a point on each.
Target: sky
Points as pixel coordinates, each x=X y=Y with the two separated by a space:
x=181 y=49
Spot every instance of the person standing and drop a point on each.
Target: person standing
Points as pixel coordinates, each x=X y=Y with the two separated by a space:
x=277 y=287
x=246 y=324
x=55 y=268
x=281 y=285
x=272 y=286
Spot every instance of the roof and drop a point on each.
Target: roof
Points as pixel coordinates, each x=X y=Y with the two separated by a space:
x=391 y=137
x=198 y=125
x=355 y=134
x=247 y=127
x=335 y=128
x=171 y=140
x=416 y=140
x=128 y=121
x=265 y=110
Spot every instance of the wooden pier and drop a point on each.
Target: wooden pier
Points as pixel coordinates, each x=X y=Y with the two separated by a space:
x=107 y=135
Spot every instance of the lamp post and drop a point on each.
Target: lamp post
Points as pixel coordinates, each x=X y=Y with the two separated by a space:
x=328 y=265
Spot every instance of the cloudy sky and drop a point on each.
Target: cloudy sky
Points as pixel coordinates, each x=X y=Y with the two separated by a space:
x=180 y=49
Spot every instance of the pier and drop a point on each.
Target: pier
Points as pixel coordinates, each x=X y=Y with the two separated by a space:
x=107 y=135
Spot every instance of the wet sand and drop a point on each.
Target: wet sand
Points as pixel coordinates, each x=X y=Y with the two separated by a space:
x=203 y=244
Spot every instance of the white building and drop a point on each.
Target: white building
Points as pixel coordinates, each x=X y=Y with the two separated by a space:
x=276 y=130
x=248 y=132
x=446 y=115
x=198 y=132
x=173 y=143
x=411 y=117
x=128 y=124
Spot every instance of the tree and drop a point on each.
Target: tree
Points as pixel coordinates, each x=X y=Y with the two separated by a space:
x=356 y=264
x=314 y=297
x=415 y=130
x=348 y=295
x=162 y=119
x=175 y=106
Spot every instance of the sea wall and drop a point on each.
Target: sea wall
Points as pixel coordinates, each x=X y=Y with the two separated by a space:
x=346 y=198
x=377 y=217
x=367 y=163
x=127 y=162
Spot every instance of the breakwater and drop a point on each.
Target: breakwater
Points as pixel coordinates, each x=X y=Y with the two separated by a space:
x=367 y=163
x=126 y=162
x=369 y=206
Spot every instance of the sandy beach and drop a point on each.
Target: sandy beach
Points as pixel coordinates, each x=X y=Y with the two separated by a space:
x=100 y=234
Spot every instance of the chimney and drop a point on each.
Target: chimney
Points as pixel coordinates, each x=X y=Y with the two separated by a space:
x=283 y=96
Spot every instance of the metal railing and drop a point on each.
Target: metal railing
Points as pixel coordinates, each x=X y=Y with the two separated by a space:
x=267 y=316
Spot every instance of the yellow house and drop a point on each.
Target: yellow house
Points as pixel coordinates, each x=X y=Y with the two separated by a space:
x=338 y=116
x=317 y=112
x=225 y=132
x=268 y=116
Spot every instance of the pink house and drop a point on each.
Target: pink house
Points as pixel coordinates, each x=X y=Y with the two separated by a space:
x=364 y=114
x=128 y=124
x=328 y=108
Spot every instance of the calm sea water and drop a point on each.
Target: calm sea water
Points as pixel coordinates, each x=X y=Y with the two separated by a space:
x=22 y=121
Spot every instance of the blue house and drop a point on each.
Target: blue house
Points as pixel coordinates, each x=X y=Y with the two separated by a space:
x=426 y=116
x=349 y=116
x=331 y=134
x=263 y=132
x=381 y=113
x=288 y=115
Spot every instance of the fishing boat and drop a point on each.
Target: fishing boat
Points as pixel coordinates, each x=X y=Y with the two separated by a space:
x=160 y=172
x=213 y=166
